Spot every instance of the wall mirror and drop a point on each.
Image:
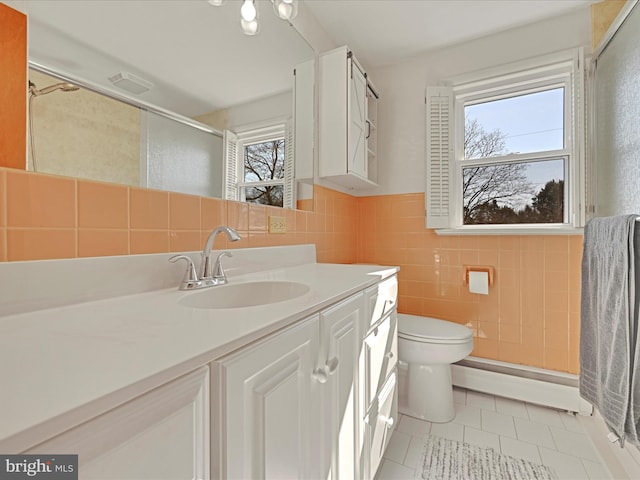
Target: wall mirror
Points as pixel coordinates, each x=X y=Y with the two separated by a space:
x=182 y=72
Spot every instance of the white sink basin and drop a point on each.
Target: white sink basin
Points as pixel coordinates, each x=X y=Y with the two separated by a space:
x=241 y=295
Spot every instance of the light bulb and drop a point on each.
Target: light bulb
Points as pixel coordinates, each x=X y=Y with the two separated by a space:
x=248 y=11
x=216 y=3
x=285 y=9
x=250 y=27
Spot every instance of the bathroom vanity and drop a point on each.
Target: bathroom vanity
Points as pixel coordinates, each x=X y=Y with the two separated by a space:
x=159 y=383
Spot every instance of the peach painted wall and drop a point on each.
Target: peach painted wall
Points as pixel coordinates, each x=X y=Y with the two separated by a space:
x=532 y=313
x=45 y=217
x=13 y=87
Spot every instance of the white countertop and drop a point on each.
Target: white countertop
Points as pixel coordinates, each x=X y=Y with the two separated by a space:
x=76 y=361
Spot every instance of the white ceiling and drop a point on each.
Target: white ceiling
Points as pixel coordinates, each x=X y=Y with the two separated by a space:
x=384 y=32
x=199 y=61
x=194 y=53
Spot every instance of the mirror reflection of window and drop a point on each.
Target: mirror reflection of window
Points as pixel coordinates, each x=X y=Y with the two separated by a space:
x=260 y=166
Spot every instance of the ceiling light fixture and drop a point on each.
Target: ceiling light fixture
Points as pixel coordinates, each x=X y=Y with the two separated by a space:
x=249 y=17
x=285 y=9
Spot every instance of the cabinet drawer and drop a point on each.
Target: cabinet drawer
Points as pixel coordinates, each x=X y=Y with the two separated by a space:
x=381 y=355
x=381 y=299
x=381 y=421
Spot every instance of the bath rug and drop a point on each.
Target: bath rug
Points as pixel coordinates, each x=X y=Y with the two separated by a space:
x=444 y=459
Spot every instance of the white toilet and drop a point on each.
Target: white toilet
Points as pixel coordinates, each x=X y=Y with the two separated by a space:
x=429 y=346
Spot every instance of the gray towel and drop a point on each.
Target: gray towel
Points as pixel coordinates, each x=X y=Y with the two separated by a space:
x=608 y=323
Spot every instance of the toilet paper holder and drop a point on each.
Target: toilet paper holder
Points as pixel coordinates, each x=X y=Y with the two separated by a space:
x=478 y=268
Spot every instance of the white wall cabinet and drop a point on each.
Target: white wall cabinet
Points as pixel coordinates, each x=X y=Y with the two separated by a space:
x=161 y=435
x=303 y=119
x=347 y=121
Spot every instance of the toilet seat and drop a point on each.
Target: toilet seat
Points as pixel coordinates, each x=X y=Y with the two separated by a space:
x=432 y=330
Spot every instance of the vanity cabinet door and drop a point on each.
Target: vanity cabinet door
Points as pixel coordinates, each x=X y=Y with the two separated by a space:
x=163 y=434
x=265 y=427
x=339 y=346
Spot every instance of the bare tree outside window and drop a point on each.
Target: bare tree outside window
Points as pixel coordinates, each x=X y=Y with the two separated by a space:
x=265 y=162
x=503 y=193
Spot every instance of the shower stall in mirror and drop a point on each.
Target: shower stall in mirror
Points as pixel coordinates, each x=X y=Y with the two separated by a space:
x=84 y=134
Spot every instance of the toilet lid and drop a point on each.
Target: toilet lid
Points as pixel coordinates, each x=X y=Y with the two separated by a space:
x=431 y=329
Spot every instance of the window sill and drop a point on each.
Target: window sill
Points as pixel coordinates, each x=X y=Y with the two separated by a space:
x=508 y=230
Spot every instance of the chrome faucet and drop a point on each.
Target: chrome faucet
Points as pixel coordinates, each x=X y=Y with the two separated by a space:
x=205 y=264
x=206 y=277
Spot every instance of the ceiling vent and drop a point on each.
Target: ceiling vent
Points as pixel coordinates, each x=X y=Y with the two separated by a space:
x=131 y=83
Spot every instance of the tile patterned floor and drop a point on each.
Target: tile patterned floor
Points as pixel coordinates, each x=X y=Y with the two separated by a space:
x=522 y=430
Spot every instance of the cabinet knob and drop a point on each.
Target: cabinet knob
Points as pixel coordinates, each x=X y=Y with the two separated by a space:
x=332 y=365
x=389 y=355
x=320 y=374
x=387 y=420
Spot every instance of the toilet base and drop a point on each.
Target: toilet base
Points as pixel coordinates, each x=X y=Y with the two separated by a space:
x=430 y=393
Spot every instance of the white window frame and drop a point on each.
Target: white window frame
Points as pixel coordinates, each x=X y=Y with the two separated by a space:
x=445 y=123
x=235 y=143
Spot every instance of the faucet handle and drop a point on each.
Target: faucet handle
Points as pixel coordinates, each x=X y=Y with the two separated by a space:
x=190 y=279
x=218 y=271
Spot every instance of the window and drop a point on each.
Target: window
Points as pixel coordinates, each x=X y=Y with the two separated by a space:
x=259 y=166
x=504 y=149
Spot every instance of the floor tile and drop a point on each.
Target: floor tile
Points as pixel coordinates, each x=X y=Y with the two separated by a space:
x=544 y=415
x=515 y=408
x=566 y=466
x=393 y=471
x=459 y=395
x=467 y=415
x=452 y=431
x=498 y=423
x=413 y=426
x=481 y=438
x=533 y=432
x=516 y=448
x=575 y=444
x=481 y=400
x=414 y=453
x=572 y=423
x=398 y=446
x=518 y=429
x=596 y=471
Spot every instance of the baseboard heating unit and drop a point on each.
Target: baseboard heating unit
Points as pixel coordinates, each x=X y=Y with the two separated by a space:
x=529 y=384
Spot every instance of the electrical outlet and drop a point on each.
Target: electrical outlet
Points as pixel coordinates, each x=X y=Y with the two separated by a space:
x=277 y=224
